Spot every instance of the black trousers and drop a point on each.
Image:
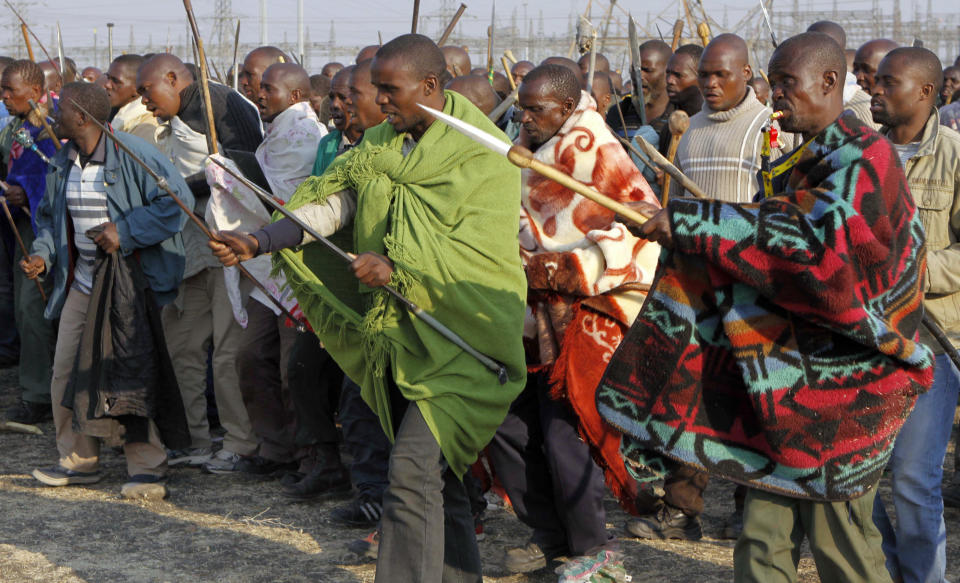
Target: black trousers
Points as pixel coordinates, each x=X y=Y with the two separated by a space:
x=548 y=472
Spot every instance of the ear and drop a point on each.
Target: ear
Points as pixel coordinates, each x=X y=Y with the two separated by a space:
x=430 y=85
x=830 y=79
x=170 y=78
x=927 y=91
x=747 y=72
x=569 y=104
x=296 y=96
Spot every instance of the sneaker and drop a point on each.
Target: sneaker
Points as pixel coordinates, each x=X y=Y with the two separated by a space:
x=222 y=462
x=193 y=457
x=733 y=526
x=366 y=548
x=61 y=476
x=531 y=557
x=363 y=510
x=29 y=413
x=145 y=487
x=320 y=484
x=261 y=467
x=604 y=567
x=666 y=523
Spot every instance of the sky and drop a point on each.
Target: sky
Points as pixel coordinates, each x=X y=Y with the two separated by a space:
x=359 y=21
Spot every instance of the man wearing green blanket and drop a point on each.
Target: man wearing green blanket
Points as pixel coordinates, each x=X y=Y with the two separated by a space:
x=435 y=215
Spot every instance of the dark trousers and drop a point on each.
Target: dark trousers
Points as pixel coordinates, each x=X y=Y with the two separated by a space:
x=262 y=368
x=37 y=334
x=683 y=488
x=364 y=438
x=427 y=532
x=548 y=472
x=9 y=342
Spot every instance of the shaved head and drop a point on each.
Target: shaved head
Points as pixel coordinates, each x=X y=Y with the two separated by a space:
x=602 y=64
x=282 y=85
x=477 y=89
x=920 y=63
x=657 y=47
x=831 y=29
x=367 y=53
x=417 y=52
x=163 y=64
x=806 y=80
x=254 y=64
x=867 y=60
x=724 y=71
x=457 y=60
x=565 y=62
x=159 y=82
x=520 y=70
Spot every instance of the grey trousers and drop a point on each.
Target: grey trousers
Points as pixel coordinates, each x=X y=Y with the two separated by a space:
x=427 y=531
x=37 y=335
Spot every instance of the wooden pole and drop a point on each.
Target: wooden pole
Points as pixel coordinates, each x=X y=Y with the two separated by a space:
x=506 y=70
x=46 y=125
x=453 y=23
x=204 y=82
x=16 y=234
x=26 y=40
x=416 y=16
x=658 y=159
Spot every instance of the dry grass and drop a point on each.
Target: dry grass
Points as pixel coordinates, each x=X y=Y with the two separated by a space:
x=226 y=528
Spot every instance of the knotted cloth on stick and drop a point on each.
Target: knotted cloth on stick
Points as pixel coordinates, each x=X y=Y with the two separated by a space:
x=446 y=214
x=778 y=347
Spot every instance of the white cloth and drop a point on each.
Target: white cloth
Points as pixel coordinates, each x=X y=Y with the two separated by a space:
x=87 y=206
x=850 y=87
x=286 y=156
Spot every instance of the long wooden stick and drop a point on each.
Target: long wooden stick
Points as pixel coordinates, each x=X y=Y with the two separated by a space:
x=453 y=23
x=163 y=185
x=204 y=79
x=506 y=70
x=523 y=158
x=26 y=40
x=33 y=34
x=16 y=234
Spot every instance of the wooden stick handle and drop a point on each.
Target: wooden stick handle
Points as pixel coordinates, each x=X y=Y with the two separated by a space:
x=46 y=126
x=671 y=154
x=506 y=70
x=16 y=234
x=523 y=158
x=658 y=159
x=26 y=40
x=453 y=23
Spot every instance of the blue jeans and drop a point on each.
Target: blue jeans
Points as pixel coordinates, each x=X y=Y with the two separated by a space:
x=916 y=550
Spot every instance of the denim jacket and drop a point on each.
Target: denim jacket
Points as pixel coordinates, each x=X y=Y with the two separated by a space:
x=147 y=219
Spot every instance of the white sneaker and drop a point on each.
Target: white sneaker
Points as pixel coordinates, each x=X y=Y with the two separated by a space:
x=222 y=462
x=193 y=456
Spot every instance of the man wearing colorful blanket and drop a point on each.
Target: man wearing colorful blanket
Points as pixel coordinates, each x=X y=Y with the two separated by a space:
x=779 y=345
x=588 y=276
x=434 y=214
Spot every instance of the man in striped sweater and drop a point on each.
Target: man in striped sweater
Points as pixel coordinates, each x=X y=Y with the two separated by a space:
x=721 y=149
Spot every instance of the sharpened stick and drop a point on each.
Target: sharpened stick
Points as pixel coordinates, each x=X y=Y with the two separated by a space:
x=26 y=40
x=453 y=23
x=204 y=79
x=658 y=159
x=416 y=16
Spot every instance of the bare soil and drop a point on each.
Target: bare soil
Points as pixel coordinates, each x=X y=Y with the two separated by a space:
x=233 y=529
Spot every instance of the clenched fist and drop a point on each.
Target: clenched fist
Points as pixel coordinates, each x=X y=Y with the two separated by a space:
x=234 y=247
x=33 y=266
x=372 y=269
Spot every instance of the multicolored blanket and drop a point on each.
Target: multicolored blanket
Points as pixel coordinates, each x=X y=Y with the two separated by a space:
x=587 y=273
x=778 y=347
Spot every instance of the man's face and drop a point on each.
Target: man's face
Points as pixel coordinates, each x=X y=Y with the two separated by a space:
x=951 y=83
x=600 y=92
x=274 y=97
x=865 y=64
x=653 y=70
x=91 y=74
x=722 y=80
x=51 y=76
x=339 y=111
x=362 y=100
x=158 y=94
x=796 y=91
x=250 y=74
x=543 y=113
x=896 y=94
x=121 y=85
x=67 y=119
x=681 y=78
x=16 y=94
x=520 y=71
x=399 y=90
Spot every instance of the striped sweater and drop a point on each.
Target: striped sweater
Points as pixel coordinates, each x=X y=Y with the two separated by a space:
x=721 y=151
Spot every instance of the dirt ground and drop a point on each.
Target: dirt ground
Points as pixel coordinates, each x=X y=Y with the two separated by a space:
x=232 y=529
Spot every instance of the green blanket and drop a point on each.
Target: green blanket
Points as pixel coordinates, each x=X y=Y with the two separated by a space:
x=447 y=215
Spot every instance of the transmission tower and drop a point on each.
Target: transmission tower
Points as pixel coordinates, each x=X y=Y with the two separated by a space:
x=223 y=31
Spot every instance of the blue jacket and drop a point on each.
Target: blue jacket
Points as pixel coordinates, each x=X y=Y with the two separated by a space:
x=147 y=219
x=29 y=171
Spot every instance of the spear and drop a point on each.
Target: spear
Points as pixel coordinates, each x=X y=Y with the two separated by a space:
x=63 y=62
x=658 y=159
x=204 y=76
x=236 y=47
x=523 y=158
x=16 y=234
x=162 y=183
x=416 y=310
x=504 y=105
x=453 y=22
x=490 y=33
x=766 y=18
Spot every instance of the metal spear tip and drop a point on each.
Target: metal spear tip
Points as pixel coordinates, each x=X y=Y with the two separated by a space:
x=474 y=133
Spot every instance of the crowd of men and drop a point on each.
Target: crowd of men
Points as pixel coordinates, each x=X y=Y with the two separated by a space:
x=791 y=332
